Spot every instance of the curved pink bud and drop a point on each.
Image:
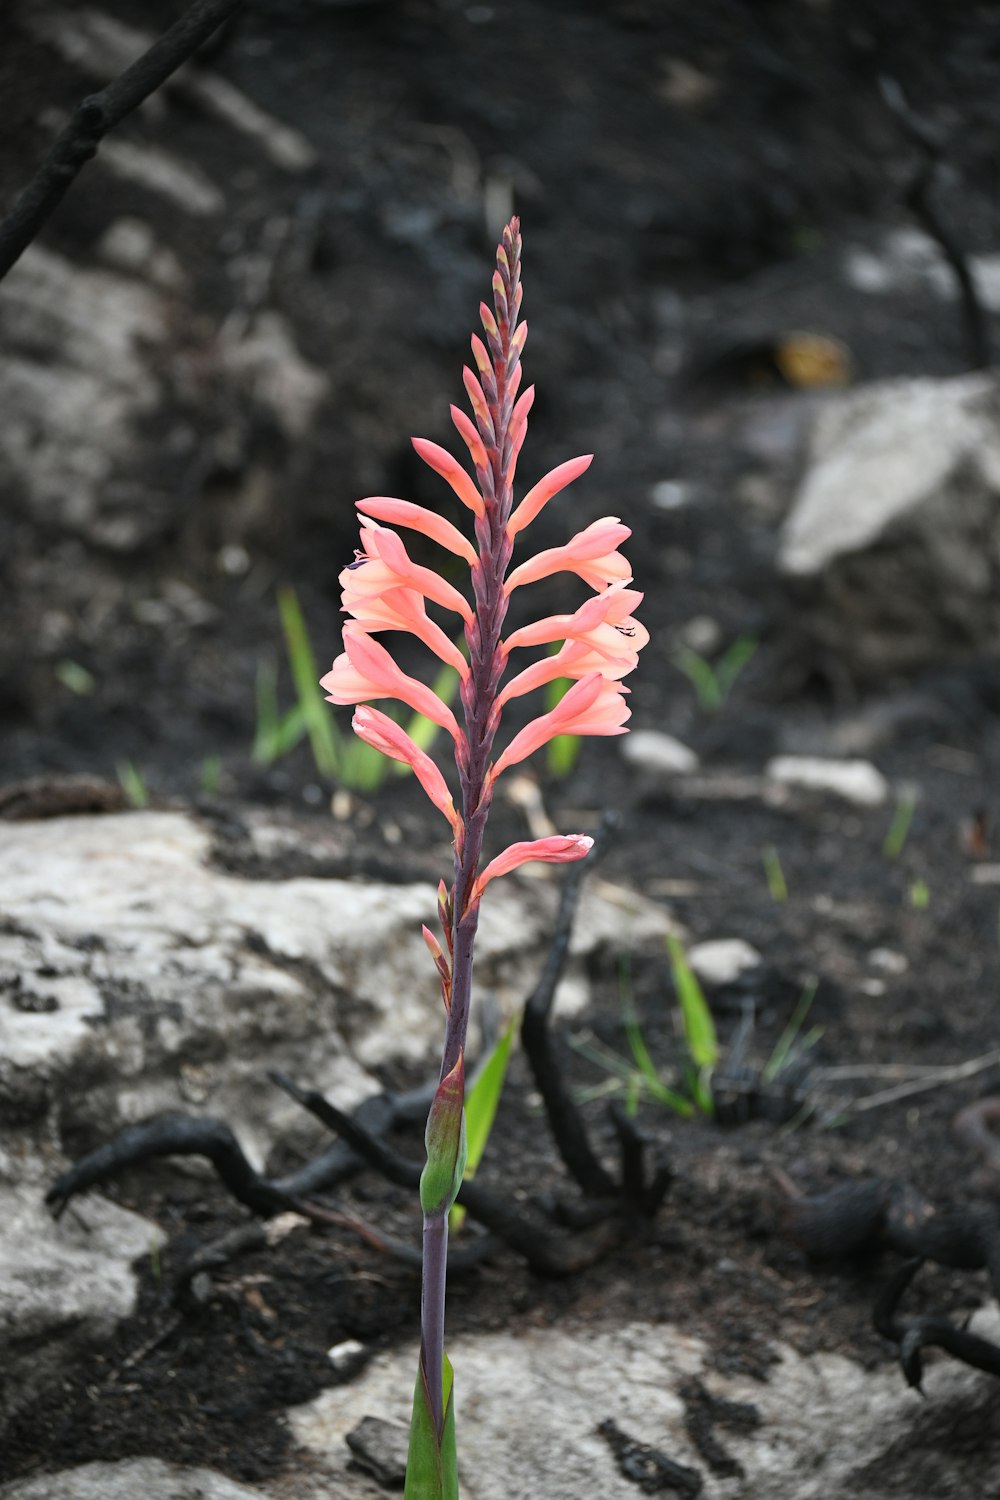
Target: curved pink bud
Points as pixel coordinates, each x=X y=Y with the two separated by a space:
x=365 y=670
x=540 y=494
x=443 y=463
x=481 y=355
x=388 y=565
x=594 y=705
x=418 y=518
x=402 y=609
x=489 y=321
x=520 y=334
x=591 y=554
x=469 y=436
x=477 y=397
x=557 y=850
x=384 y=734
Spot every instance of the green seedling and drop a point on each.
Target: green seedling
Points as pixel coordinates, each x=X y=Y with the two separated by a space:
x=899 y=828
x=713 y=683
x=344 y=759
x=561 y=754
x=76 y=678
x=210 y=776
x=481 y=1106
x=132 y=783
x=647 y=1077
x=920 y=895
x=774 y=874
x=699 y=1028
x=790 y=1044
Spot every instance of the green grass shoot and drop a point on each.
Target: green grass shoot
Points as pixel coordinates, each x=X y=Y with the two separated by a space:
x=647 y=1076
x=132 y=783
x=789 y=1044
x=773 y=873
x=75 y=678
x=481 y=1103
x=713 y=683
x=561 y=754
x=319 y=722
x=210 y=775
x=699 y=1028
x=920 y=895
x=899 y=828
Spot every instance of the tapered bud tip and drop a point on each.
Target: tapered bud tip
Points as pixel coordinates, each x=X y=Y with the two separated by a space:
x=432 y=942
x=489 y=322
x=445 y=1141
x=498 y=285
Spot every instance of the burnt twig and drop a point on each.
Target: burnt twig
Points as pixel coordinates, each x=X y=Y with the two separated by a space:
x=930 y=144
x=99 y=113
x=913 y=1335
x=565 y=1120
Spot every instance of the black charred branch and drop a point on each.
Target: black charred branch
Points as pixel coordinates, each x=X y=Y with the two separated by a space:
x=99 y=113
x=565 y=1120
x=875 y=1215
x=913 y=1335
x=920 y=199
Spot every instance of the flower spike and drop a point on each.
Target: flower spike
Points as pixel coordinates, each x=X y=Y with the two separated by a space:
x=385 y=590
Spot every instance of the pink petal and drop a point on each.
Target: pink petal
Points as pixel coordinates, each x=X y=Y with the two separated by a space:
x=477 y=397
x=594 y=705
x=384 y=734
x=540 y=494
x=366 y=670
x=556 y=850
x=418 y=518
x=388 y=547
x=480 y=354
x=590 y=553
x=470 y=437
x=443 y=463
x=401 y=609
x=489 y=321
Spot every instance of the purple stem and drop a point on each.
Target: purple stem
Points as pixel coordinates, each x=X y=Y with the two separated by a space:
x=479 y=694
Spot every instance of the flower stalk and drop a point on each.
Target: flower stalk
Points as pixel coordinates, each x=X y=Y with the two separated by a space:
x=383 y=589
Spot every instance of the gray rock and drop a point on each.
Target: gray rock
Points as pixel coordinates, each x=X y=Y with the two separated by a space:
x=148 y=1477
x=658 y=754
x=856 y=781
x=722 y=960
x=893 y=541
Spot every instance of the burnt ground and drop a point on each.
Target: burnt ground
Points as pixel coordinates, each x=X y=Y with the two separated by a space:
x=689 y=179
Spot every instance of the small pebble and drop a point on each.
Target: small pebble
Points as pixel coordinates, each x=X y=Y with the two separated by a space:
x=722 y=960
x=856 y=781
x=651 y=750
x=348 y=1357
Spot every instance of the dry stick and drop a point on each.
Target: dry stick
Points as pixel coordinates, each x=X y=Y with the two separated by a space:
x=99 y=113
x=919 y=198
x=564 y=1118
x=952 y=1074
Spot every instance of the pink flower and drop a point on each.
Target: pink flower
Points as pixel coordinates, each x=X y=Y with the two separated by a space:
x=591 y=553
x=402 y=609
x=602 y=636
x=366 y=670
x=594 y=705
x=442 y=462
x=418 y=518
x=386 y=564
x=384 y=734
x=540 y=494
x=556 y=850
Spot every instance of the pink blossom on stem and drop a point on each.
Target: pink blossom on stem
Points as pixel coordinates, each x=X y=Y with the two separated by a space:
x=594 y=705
x=591 y=553
x=556 y=850
x=365 y=670
x=442 y=462
x=402 y=609
x=418 y=518
x=384 y=734
x=602 y=636
x=541 y=493
x=386 y=564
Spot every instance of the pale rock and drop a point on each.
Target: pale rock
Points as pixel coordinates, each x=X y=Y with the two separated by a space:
x=856 y=781
x=266 y=360
x=659 y=754
x=149 y=1477
x=893 y=540
x=723 y=960
x=529 y=1404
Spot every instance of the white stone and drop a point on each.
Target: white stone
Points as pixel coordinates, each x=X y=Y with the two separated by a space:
x=149 y=1477
x=528 y=1407
x=658 y=753
x=723 y=960
x=893 y=538
x=856 y=781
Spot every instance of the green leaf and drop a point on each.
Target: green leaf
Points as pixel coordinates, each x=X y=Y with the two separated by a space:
x=561 y=753
x=323 y=735
x=699 y=1028
x=432 y=1463
x=481 y=1106
x=446 y=1145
